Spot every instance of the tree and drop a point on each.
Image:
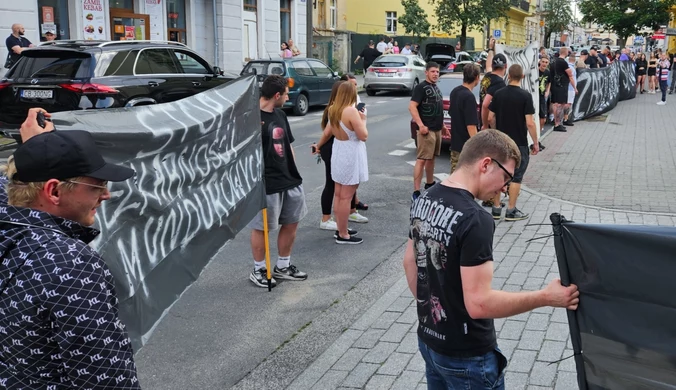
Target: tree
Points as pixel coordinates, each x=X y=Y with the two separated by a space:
x=414 y=20
x=626 y=17
x=468 y=14
x=558 y=17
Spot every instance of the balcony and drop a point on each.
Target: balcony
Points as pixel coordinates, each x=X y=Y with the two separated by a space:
x=521 y=5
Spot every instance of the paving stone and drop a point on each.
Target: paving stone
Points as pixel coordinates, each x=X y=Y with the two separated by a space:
x=512 y=330
x=416 y=364
x=380 y=382
x=385 y=320
x=532 y=340
x=533 y=284
x=409 y=344
x=512 y=288
x=380 y=352
x=396 y=333
x=523 y=317
x=522 y=361
x=409 y=316
x=350 y=359
x=537 y=321
x=557 y=331
x=331 y=380
x=533 y=387
x=369 y=339
x=507 y=347
x=539 y=271
x=551 y=351
x=544 y=310
x=360 y=375
x=400 y=304
x=408 y=380
x=524 y=267
x=497 y=283
x=515 y=380
x=560 y=315
x=543 y=374
x=568 y=364
x=395 y=364
x=566 y=381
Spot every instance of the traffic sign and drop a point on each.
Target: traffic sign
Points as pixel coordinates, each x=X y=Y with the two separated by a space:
x=497 y=33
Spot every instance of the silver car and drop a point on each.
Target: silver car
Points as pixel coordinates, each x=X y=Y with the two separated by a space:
x=394 y=72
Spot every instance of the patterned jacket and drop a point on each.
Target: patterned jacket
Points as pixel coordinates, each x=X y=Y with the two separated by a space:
x=59 y=325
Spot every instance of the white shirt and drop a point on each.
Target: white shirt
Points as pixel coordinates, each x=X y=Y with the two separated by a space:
x=382 y=46
x=405 y=51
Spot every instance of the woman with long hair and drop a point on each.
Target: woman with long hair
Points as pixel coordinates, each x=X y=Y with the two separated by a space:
x=652 y=72
x=641 y=65
x=286 y=52
x=349 y=166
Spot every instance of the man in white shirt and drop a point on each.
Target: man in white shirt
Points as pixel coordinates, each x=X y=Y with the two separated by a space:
x=407 y=49
x=382 y=46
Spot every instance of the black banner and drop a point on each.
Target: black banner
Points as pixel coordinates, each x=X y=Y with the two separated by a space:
x=623 y=332
x=199 y=181
x=599 y=90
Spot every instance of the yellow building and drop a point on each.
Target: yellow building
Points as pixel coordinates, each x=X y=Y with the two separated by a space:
x=671 y=39
x=380 y=17
x=329 y=15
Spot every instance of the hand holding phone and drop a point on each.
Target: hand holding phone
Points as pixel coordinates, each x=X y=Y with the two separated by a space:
x=360 y=107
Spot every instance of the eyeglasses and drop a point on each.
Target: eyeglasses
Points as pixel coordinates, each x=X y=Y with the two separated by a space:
x=511 y=177
x=102 y=187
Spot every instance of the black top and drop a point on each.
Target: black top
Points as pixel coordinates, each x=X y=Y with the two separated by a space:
x=12 y=41
x=543 y=80
x=592 y=61
x=561 y=79
x=430 y=105
x=490 y=84
x=641 y=64
x=281 y=173
x=369 y=55
x=603 y=60
x=511 y=105
x=449 y=230
x=463 y=113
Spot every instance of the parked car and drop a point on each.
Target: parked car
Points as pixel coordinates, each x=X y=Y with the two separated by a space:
x=446 y=84
x=82 y=75
x=310 y=80
x=448 y=59
x=480 y=58
x=394 y=72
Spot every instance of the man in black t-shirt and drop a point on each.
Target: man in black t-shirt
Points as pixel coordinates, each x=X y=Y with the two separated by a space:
x=449 y=269
x=369 y=54
x=512 y=112
x=544 y=85
x=462 y=110
x=427 y=110
x=16 y=43
x=283 y=186
x=561 y=75
x=493 y=81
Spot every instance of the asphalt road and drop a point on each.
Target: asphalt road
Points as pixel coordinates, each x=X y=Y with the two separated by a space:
x=224 y=326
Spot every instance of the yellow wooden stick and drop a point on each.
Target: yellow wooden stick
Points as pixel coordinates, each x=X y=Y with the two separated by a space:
x=266 y=234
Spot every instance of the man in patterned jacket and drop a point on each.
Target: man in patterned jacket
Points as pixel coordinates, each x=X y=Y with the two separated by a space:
x=59 y=324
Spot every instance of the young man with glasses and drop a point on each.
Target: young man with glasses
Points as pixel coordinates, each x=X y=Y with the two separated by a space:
x=59 y=320
x=512 y=112
x=449 y=269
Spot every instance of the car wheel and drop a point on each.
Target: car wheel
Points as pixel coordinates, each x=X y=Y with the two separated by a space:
x=415 y=84
x=302 y=105
x=371 y=92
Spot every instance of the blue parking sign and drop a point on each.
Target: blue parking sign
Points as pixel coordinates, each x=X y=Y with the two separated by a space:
x=497 y=33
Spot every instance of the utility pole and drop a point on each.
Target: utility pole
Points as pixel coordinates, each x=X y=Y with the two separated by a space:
x=309 y=29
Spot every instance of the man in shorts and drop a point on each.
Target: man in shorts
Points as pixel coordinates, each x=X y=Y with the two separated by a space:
x=427 y=110
x=511 y=111
x=544 y=84
x=283 y=186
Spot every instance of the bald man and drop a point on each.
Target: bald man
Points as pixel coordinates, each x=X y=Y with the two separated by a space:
x=16 y=43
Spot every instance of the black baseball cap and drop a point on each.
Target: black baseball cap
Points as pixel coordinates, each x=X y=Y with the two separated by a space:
x=584 y=52
x=63 y=155
x=499 y=61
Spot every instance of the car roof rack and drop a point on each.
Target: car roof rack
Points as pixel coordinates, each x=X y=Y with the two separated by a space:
x=109 y=43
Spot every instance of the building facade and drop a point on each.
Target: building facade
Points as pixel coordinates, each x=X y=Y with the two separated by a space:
x=225 y=32
x=518 y=28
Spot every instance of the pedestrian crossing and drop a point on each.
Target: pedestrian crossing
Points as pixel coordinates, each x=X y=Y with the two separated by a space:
x=410 y=151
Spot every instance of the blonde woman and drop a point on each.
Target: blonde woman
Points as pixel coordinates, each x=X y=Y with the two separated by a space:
x=349 y=166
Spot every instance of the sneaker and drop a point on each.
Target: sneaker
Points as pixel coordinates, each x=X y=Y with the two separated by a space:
x=489 y=203
x=568 y=123
x=560 y=128
x=429 y=185
x=515 y=215
x=260 y=278
x=289 y=273
x=349 y=241
x=349 y=231
x=358 y=218
x=496 y=212
x=328 y=225
x=661 y=103
x=415 y=195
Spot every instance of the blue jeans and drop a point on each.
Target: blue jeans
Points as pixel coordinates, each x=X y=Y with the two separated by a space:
x=664 y=86
x=450 y=373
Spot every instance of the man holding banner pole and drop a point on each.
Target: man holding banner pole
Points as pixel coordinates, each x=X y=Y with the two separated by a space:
x=285 y=197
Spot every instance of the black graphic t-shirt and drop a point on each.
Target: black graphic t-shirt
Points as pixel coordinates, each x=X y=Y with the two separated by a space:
x=560 y=78
x=511 y=105
x=449 y=230
x=463 y=113
x=281 y=173
x=543 y=80
x=490 y=84
x=430 y=105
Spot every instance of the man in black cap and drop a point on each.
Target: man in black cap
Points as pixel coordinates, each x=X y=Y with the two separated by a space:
x=59 y=324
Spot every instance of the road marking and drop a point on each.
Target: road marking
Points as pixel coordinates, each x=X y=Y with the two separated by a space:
x=296 y=119
x=411 y=163
x=441 y=176
x=398 y=152
x=381 y=101
x=411 y=145
x=398 y=98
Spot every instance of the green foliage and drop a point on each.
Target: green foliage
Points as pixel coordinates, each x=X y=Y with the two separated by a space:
x=414 y=20
x=558 y=18
x=454 y=15
x=626 y=17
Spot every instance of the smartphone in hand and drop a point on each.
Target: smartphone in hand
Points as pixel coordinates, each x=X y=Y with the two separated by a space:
x=360 y=107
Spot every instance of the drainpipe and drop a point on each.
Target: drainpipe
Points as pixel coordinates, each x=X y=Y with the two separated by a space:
x=216 y=56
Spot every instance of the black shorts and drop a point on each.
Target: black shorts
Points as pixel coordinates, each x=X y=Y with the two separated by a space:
x=521 y=170
x=543 y=108
x=560 y=95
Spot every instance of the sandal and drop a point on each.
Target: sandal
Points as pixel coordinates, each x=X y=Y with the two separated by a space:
x=361 y=206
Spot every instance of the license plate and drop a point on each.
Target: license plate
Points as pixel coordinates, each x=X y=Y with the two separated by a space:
x=37 y=93
x=386 y=74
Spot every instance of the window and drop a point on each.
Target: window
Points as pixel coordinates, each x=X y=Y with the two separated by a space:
x=285 y=20
x=119 y=63
x=250 y=5
x=320 y=69
x=333 y=14
x=156 y=61
x=302 y=68
x=127 y=4
x=176 y=21
x=53 y=16
x=391 y=22
x=188 y=63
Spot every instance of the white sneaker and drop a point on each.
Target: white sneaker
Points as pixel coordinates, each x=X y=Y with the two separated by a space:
x=661 y=103
x=328 y=225
x=358 y=218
